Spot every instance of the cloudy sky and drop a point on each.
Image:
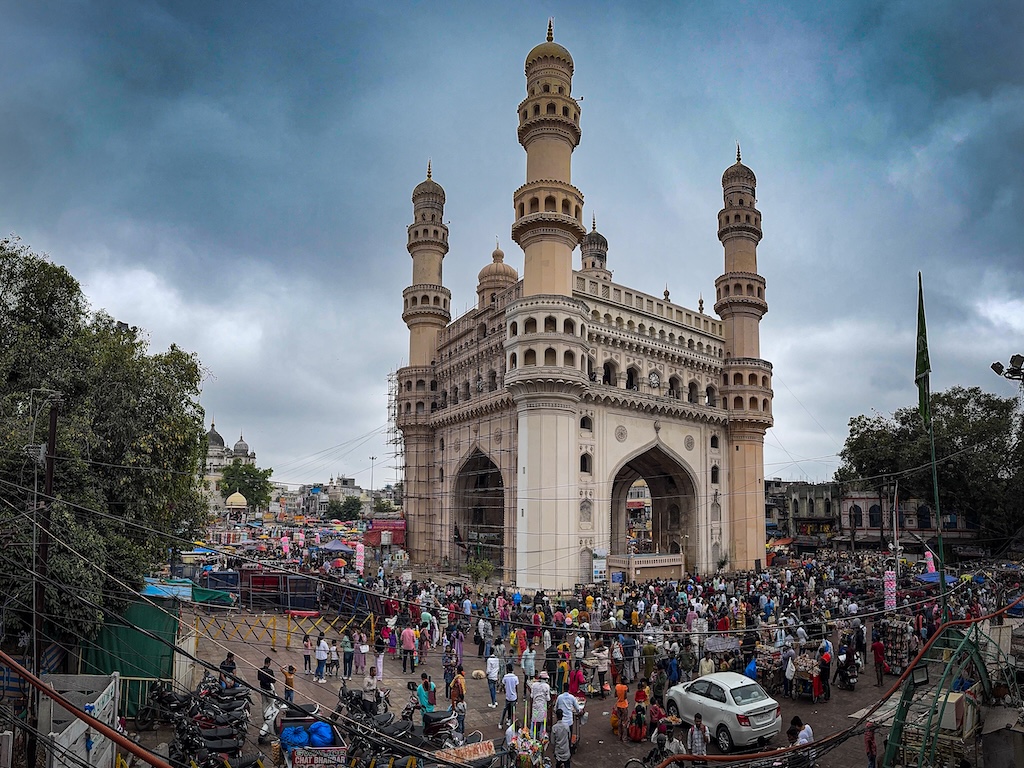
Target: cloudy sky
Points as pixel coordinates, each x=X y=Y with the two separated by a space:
x=235 y=177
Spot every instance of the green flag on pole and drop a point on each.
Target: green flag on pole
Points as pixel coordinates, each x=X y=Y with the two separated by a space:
x=924 y=366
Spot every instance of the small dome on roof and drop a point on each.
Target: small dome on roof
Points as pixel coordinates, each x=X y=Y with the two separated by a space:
x=594 y=240
x=428 y=187
x=498 y=269
x=241 y=447
x=236 y=500
x=738 y=172
x=549 y=49
x=213 y=438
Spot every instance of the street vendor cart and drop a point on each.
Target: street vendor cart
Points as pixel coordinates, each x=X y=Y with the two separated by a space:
x=803 y=680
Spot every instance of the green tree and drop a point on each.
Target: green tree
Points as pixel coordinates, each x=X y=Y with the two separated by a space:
x=349 y=509
x=382 y=506
x=479 y=570
x=978 y=444
x=129 y=447
x=249 y=480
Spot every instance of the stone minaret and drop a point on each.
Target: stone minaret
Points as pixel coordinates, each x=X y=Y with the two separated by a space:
x=594 y=251
x=746 y=382
x=546 y=338
x=426 y=310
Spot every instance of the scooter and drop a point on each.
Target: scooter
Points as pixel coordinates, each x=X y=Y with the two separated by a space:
x=279 y=710
x=846 y=674
x=439 y=728
x=351 y=703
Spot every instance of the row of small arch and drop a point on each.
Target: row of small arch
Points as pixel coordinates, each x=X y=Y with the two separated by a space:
x=551 y=109
x=650 y=331
x=752 y=380
x=430 y=233
x=425 y=301
x=551 y=206
x=736 y=219
x=737 y=290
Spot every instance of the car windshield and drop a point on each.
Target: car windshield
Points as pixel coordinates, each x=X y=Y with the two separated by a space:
x=749 y=694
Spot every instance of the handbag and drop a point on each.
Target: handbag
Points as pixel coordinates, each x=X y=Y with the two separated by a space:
x=432 y=695
x=790 y=670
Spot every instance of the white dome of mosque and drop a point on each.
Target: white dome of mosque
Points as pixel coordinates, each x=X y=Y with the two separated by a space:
x=241 y=447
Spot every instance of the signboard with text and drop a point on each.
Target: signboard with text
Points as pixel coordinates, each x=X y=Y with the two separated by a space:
x=318 y=756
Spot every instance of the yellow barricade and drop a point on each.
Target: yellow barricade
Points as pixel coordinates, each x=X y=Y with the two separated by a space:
x=241 y=627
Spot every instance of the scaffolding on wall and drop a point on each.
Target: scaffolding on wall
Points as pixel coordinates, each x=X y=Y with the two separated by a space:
x=395 y=438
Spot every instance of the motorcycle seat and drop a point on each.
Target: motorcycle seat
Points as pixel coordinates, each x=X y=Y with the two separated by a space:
x=429 y=718
x=301 y=710
x=222 y=745
x=230 y=705
x=397 y=729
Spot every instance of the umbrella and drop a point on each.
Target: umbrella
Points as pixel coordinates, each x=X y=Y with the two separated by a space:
x=336 y=545
x=337 y=563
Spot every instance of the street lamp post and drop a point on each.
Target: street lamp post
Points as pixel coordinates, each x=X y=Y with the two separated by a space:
x=1015 y=370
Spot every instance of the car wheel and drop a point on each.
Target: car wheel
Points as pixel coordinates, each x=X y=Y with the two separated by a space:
x=724 y=739
x=673 y=710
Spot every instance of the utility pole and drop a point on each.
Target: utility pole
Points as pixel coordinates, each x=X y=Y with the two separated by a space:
x=372 y=459
x=41 y=555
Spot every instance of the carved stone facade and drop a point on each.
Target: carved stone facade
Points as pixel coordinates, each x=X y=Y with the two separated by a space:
x=527 y=420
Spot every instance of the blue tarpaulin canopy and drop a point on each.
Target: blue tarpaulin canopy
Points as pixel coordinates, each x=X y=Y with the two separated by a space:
x=933 y=578
x=337 y=545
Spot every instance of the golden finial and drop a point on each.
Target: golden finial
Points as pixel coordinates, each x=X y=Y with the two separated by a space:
x=551 y=28
x=737 y=152
x=428 y=168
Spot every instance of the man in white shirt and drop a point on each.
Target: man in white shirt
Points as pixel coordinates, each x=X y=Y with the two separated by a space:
x=510 y=682
x=493 y=668
x=322 y=651
x=569 y=705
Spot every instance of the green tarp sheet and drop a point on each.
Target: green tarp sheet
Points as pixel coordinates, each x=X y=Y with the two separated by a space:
x=121 y=647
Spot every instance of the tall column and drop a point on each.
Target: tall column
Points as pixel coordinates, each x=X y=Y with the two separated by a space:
x=546 y=328
x=426 y=310
x=746 y=385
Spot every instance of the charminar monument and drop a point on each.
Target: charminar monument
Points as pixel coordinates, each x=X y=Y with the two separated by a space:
x=527 y=420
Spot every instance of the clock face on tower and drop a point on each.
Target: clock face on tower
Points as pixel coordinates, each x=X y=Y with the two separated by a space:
x=655 y=379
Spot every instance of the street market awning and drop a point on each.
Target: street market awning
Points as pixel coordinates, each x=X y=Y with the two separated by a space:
x=781 y=542
x=337 y=545
x=933 y=578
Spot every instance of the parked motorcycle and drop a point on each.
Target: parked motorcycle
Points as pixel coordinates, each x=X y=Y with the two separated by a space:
x=162 y=706
x=208 y=716
x=439 y=728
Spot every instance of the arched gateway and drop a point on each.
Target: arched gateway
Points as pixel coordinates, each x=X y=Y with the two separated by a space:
x=673 y=501
x=526 y=420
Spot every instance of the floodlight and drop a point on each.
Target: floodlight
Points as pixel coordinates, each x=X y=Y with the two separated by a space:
x=998 y=368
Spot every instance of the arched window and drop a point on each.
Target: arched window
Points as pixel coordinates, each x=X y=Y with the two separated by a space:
x=550 y=356
x=810 y=507
x=716 y=513
x=856 y=517
x=550 y=204
x=550 y=324
x=714 y=442
x=492 y=381
x=552 y=110
x=536 y=110
x=632 y=379
x=712 y=397
x=408 y=386
x=512 y=361
x=875 y=516
x=737 y=403
x=587 y=424
x=421 y=385
x=513 y=328
x=764 y=405
x=690 y=344
x=764 y=382
x=433 y=385
x=530 y=326
x=569 y=359
x=586 y=463
x=569 y=327
x=714 y=475
x=737 y=379
x=522 y=210
x=408 y=407
x=530 y=358
x=566 y=208
x=753 y=403
x=752 y=380
x=691 y=392
x=534 y=205
x=420 y=409
x=610 y=374
x=547 y=88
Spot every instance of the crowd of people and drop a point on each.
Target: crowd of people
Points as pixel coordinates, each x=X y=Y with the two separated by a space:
x=538 y=652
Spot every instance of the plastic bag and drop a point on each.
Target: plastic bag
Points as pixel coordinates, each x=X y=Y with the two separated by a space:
x=790 y=670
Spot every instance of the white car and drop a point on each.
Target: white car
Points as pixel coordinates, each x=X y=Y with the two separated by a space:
x=736 y=709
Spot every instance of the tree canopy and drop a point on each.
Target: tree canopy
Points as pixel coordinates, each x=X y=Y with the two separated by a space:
x=249 y=480
x=979 y=447
x=130 y=446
